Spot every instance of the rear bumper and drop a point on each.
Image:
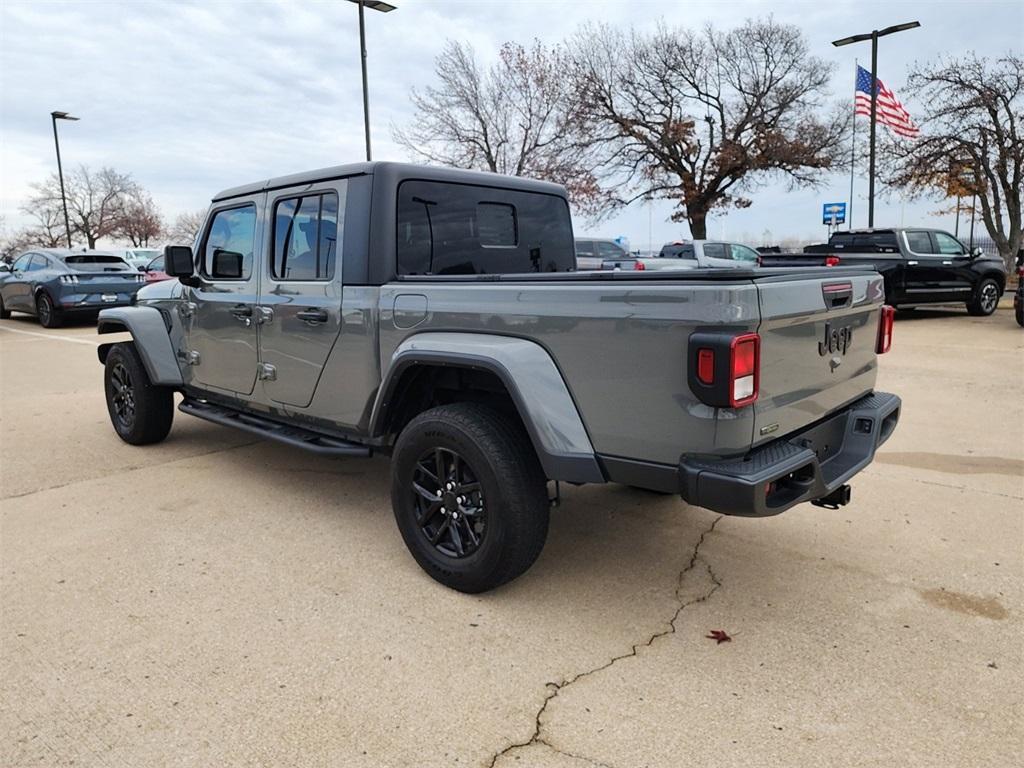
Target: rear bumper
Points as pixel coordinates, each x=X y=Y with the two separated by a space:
x=803 y=466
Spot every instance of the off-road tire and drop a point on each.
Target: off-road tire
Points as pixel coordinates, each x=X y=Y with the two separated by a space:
x=981 y=304
x=512 y=483
x=5 y=313
x=48 y=314
x=152 y=407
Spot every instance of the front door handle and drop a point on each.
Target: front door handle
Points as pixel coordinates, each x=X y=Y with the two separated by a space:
x=911 y=263
x=243 y=313
x=312 y=315
x=947 y=263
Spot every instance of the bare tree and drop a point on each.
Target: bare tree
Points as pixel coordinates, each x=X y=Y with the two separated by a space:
x=972 y=140
x=700 y=117
x=96 y=200
x=186 y=227
x=141 y=220
x=514 y=117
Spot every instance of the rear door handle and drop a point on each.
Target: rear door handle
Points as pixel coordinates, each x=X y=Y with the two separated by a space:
x=947 y=263
x=312 y=315
x=911 y=263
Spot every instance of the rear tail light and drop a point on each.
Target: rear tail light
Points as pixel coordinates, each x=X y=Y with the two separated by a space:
x=744 y=369
x=831 y=261
x=69 y=279
x=639 y=265
x=725 y=370
x=885 y=324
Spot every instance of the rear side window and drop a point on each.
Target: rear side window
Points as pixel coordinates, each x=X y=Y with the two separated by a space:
x=715 y=251
x=608 y=250
x=585 y=248
x=232 y=230
x=462 y=229
x=305 y=237
x=919 y=242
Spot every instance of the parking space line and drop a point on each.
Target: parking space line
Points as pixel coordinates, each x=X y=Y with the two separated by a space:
x=51 y=336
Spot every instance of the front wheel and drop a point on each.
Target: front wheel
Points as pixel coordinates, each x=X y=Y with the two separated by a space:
x=469 y=496
x=1019 y=312
x=5 y=313
x=140 y=412
x=985 y=300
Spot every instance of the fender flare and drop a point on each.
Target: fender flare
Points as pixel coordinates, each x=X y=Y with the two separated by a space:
x=148 y=329
x=532 y=379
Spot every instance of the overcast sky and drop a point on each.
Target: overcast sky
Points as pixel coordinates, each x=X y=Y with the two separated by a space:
x=191 y=98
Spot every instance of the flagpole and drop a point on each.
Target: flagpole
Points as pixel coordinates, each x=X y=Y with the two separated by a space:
x=853 y=147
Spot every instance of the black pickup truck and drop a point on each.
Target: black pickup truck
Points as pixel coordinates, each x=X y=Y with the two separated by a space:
x=919 y=266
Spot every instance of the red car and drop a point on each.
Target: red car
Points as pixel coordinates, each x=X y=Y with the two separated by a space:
x=155 y=270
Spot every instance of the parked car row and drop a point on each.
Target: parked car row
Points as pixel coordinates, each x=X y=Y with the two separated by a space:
x=52 y=283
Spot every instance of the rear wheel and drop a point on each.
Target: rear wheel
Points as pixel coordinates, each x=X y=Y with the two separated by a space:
x=140 y=412
x=985 y=299
x=1019 y=312
x=469 y=496
x=48 y=314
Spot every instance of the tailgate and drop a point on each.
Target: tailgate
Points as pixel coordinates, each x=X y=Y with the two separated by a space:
x=818 y=338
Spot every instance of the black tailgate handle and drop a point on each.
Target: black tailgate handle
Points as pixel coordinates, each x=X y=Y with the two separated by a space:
x=837 y=294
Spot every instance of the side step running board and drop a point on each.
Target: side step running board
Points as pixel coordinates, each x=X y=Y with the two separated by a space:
x=272 y=430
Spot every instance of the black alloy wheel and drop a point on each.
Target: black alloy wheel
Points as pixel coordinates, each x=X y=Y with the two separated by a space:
x=123 y=399
x=449 y=503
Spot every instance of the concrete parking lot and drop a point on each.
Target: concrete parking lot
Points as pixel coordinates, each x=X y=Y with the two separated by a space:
x=220 y=601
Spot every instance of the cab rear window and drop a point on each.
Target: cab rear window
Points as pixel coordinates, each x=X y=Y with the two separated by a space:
x=463 y=229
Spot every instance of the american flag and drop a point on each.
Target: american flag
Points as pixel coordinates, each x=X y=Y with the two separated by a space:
x=889 y=110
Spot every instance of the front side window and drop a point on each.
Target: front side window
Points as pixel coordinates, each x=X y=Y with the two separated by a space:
x=21 y=263
x=305 y=237
x=230 y=243
x=742 y=253
x=948 y=244
x=919 y=242
x=463 y=229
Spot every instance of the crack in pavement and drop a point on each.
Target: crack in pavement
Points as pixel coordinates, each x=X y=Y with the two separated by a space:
x=554 y=689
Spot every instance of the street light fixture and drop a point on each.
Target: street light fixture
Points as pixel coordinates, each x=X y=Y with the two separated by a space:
x=373 y=5
x=55 y=116
x=873 y=37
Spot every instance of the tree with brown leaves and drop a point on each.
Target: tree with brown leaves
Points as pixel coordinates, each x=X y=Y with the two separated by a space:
x=96 y=200
x=514 y=117
x=972 y=132
x=701 y=117
x=141 y=220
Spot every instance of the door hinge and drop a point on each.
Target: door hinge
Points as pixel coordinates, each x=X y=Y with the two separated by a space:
x=264 y=315
x=187 y=308
x=266 y=372
x=192 y=358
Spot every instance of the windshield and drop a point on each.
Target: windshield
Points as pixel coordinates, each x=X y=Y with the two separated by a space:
x=147 y=255
x=88 y=262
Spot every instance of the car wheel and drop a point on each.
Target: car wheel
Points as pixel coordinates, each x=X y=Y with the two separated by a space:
x=5 y=313
x=1019 y=312
x=986 y=298
x=469 y=496
x=49 y=316
x=140 y=412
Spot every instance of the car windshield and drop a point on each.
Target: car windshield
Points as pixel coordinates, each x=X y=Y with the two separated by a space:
x=91 y=261
x=147 y=255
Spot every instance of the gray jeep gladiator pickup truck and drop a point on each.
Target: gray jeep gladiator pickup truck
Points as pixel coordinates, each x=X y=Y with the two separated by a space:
x=436 y=316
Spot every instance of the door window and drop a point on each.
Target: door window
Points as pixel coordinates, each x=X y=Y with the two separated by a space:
x=232 y=231
x=37 y=263
x=715 y=251
x=948 y=244
x=585 y=248
x=21 y=263
x=742 y=253
x=919 y=242
x=305 y=237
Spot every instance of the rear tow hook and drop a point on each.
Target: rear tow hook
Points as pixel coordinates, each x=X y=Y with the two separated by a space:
x=840 y=497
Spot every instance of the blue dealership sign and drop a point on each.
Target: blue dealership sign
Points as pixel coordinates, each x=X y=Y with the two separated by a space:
x=833 y=213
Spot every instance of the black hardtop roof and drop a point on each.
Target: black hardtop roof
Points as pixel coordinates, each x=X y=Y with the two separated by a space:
x=885 y=230
x=396 y=173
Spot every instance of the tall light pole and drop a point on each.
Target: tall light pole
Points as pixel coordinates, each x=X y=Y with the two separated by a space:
x=873 y=37
x=373 y=5
x=55 y=116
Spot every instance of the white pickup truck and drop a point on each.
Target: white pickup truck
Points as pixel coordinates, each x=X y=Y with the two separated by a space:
x=698 y=254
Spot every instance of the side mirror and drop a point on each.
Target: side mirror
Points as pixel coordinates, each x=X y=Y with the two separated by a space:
x=180 y=263
x=977 y=252
x=4 y=268
x=227 y=264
